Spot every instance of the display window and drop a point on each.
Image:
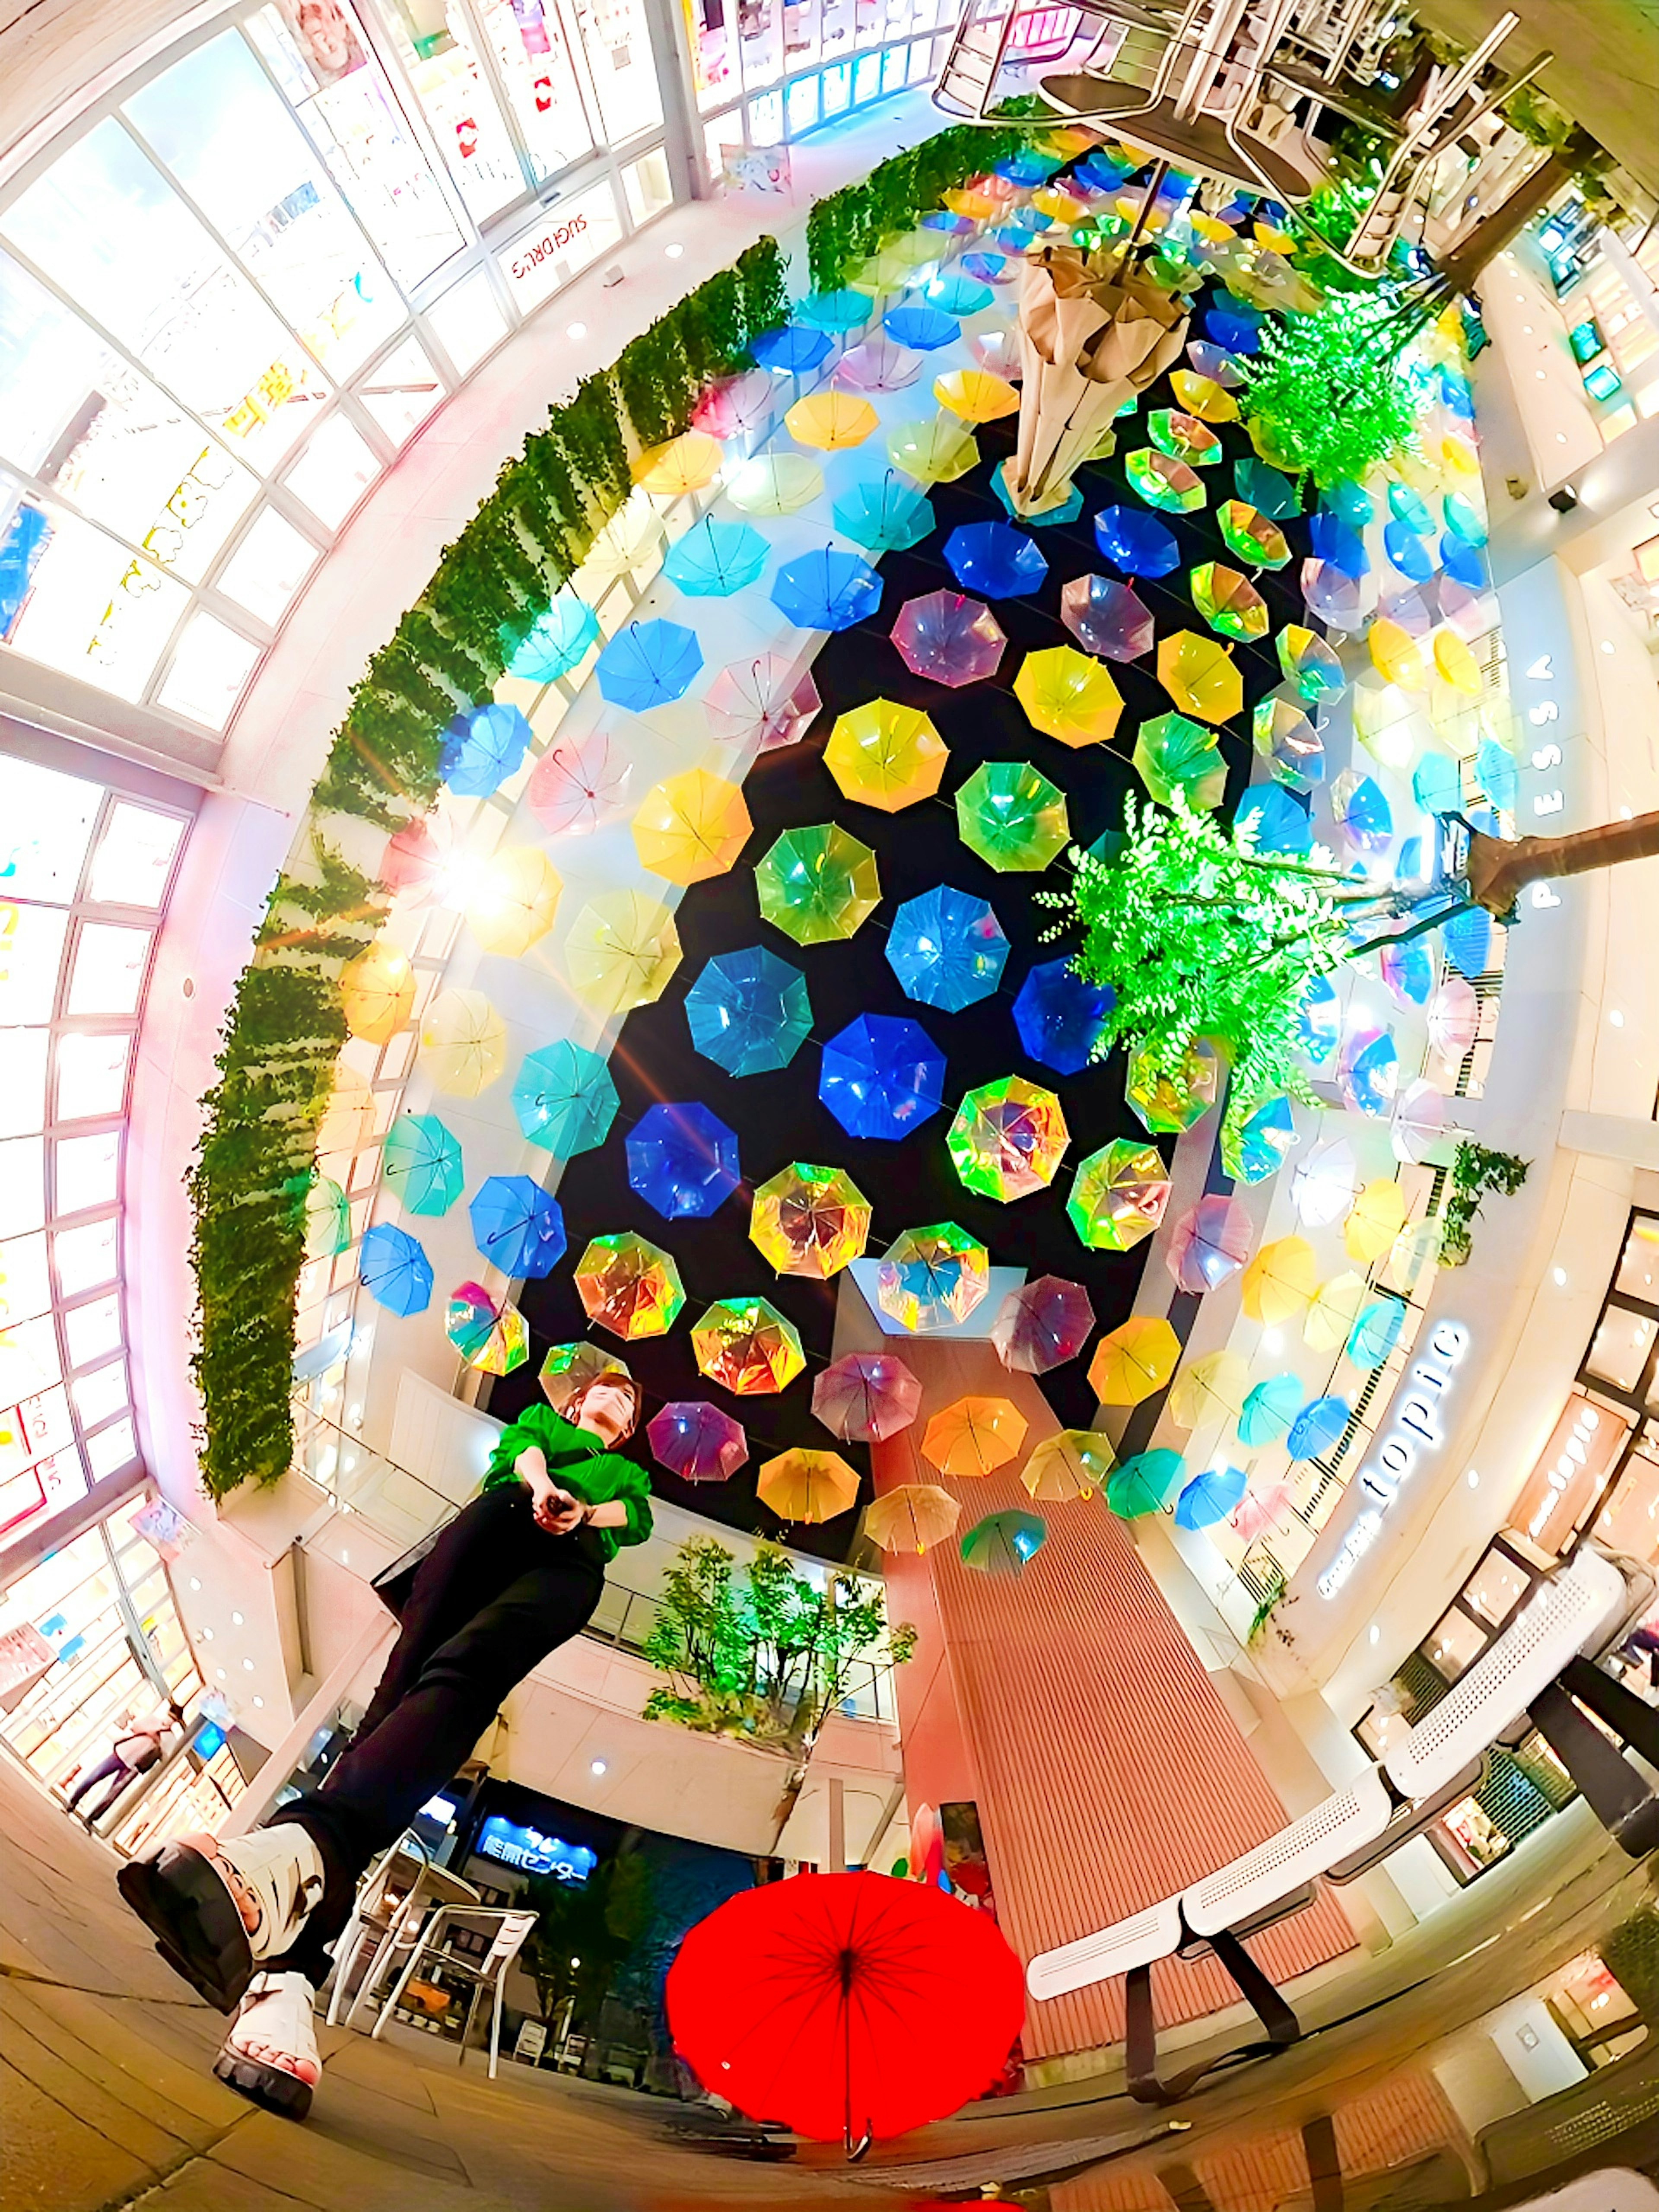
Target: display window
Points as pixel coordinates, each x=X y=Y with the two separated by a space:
x=434 y=44
x=617 y=42
x=760 y=39
x=402 y=390
x=528 y=42
x=1629 y=1521
x=1561 y=1492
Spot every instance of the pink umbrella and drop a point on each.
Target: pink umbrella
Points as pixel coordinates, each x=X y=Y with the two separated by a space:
x=1419 y=1121
x=866 y=1396
x=580 y=783
x=1454 y=1017
x=949 y=639
x=997 y=352
x=1257 y=1510
x=1210 y=1243
x=412 y=863
x=742 y=403
x=1471 y=614
x=696 y=1441
x=1042 y=1324
x=878 y=364
x=769 y=697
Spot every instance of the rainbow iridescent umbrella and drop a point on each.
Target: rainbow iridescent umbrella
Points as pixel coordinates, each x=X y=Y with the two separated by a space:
x=420 y=1161
x=931 y=1279
x=768 y=702
x=748 y=1348
x=489 y=1335
x=810 y=1221
x=1211 y=1242
x=629 y=1286
x=1008 y=1139
x=864 y=1397
x=1118 y=1195
x=569 y=1368
x=697 y=1442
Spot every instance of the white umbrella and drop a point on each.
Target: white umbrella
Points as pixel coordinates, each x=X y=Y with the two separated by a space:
x=1322 y=1186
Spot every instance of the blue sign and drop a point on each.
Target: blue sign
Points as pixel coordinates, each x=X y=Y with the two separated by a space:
x=532 y=1852
x=209 y=1739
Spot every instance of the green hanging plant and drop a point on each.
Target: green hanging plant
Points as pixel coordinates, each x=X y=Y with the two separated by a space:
x=1330 y=395
x=1476 y=1173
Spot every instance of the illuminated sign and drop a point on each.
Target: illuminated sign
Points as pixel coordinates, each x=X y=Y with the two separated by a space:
x=1415 y=1431
x=559 y=245
x=1545 y=756
x=532 y=1852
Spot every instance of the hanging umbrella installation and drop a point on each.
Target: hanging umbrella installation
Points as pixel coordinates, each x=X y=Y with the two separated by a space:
x=885 y=515
x=697 y=1442
x=865 y=1397
x=911 y=1517
x=1135 y=1361
x=556 y=642
x=1210 y=1497
x=1268 y=1411
x=714 y=559
x=564 y=1099
x=780 y=484
x=807 y=1486
x=489 y=1335
x=420 y=1162
x=826 y=590
x=648 y=664
x=1143 y=1484
x=1074 y=1464
x=691 y=827
x=462 y=1044
x=518 y=1226
x=394 y=1270
x=974 y=1436
x=622 y=950
x=768 y=702
x=688 y=462
x=880 y=364
x=1003 y=1543
x=829 y=421
x=579 y=784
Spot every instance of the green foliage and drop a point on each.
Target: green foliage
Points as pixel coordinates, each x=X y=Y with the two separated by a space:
x=657 y=385
x=1475 y=1174
x=1198 y=937
x=1331 y=389
x=765 y=1660
x=584 y=1930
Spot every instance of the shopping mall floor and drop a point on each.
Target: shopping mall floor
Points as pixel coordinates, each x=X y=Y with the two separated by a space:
x=106 y=2100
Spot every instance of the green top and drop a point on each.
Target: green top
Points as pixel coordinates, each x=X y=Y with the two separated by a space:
x=579 y=1462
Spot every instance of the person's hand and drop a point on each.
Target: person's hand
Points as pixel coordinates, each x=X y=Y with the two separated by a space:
x=557 y=1512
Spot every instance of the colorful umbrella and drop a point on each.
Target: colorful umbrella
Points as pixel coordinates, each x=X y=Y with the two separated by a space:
x=327 y=1218
x=1257 y=1511
x=629 y=541
x=685 y=464
x=691 y=827
x=556 y=642
x=569 y=1368
x=1210 y=1497
x=1322 y=1185
x=1003 y=563
x=807 y=1486
x=887 y=756
x=864 y=1397
x=749 y=1011
x=1069 y=696
x=1072 y=1464
x=735 y=404
x=648 y=664
x=844 y=310
x=1333 y=1312
x=828 y=421
x=1042 y=1325
x=810 y=1221
x=974 y=1435
x=949 y=639
x=511 y=904
x=1211 y=1242
x=768 y=701
x=957 y=294
x=394 y=1270
x=1200 y=676
x=923 y=330
x=1003 y=1543
x=1134 y=1360
x=937 y=451
x=1142 y=1485
x=884 y=515
x=1269 y=1410
x=1281 y=1281
x=629 y=1286
x=683 y=1159
x=481 y=748
x=817 y=883
x=848 y=2005
x=881 y=1077
x=910 y=1516
x=564 y=1099
x=377 y=993
x=347 y=1123
x=1376 y=1333
x=791 y=350
x=1317 y=1427
x=622 y=950
x=826 y=590
x=462 y=1044
x=413 y=863
x=778 y=483
x=746 y=1346
x=696 y=1441
x=518 y=1226
x=931 y=1279
x=880 y=364
x=420 y=1162
x=490 y=1337
x=714 y=559
x=579 y=784
x=973 y=395
x=1211 y=1389
x=1377 y=1218
x=946 y=949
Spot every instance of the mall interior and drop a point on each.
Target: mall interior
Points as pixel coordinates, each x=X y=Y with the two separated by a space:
x=1122 y=1671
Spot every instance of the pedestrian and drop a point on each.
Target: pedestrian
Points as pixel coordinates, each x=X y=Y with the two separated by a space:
x=519 y=1571
x=134 y=1752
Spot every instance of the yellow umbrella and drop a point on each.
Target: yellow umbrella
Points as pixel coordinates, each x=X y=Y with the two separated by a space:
x=691 y=827
x=631 y=537
x=978 y=207
x=916 y=248
x=779 y=483
x=976 y=395
x=377 y=993
x=974 y=1435
x=807 y=1486
x=1457 y=663
x=1074 y=1464
x=684 y=464
x=1211 y=229
x=886 y=754
x=883 y=272
x=1059 y=206
x=1395 y=655
x=462 y=1044
x=1203 y=396
x=1200 y=676
x=1282 y=1280
x=1274 y=240
x=622 y=950
x=1211 y=1389
x=911 y=1517
x=1069 y=696
x=513 y=900
x=1334 y=1313
x=348 y=1121
x=933 y=453
x=1133 y=1360
x=1375 y=1218
x=829 y=420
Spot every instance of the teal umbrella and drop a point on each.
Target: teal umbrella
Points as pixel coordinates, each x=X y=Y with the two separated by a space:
x=1002 y=1543
x=1376 y=1333
x=555 y=643
x=836 y=311
x=1141 y=1485
x=1269 y=1410
x=714 y=559
x=564 y=1098
x=327 y=1218
x=420 y=1162
x=884 y=514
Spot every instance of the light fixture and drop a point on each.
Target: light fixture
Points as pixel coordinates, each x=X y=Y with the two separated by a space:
x=674 y=252
x=1615 y=1019
x=204 y=1636
x=196 y=1581
x=345 y=1558
x=1565 y=500
x=236 y=1619
x=1376 y=1633
x=247 y=1666
x=574 y=1963
x=259 y=1703
x=576 y=330
x=1606 y=645
x=1561 y=1275
x=220 y=1672
x=1474 y=1479
x=597 y=1767
x=1560 y=437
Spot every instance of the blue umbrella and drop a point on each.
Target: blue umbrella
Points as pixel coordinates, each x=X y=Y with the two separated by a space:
x=1269 y=1410
x=989 y=268
x=1028 y=166
x=1462 y=563
x=954 y=226
x=922 y=329
x=882 y=1077
x=1136 y=541
x=1339 y=543
x=394 y=1270
x=826 y=591
x=957 y=295
x=792 y=350
x=1467 y=939
x=946 y=948
x=748 y=1011
x=1407 y=551
x=1407 y=506
x=1258 y=1148
x=1497 y=775
x=481 y=748
x=990 y=558
x=1210 y=1497
x=1235 y=326
x=885 y=516
x=836 y=311
x=557 y=642
x=517 y=1225
x=648 y=664
x=1281 y=826
x=1317 y=1427
x=1012 y=236
x=1369 y=1073
x=1266 y=489
x=1436 y=785
x=1318 y=1021
x=1366 y=818
x=714 y=559
x=564 y=1098
x=1376 y=1332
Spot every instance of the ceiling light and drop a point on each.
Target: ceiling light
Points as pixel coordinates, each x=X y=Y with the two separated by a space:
x=237 y=1619
x=673 y=252
x=247 y=1666
x=259 y=1702
x=597 y=1767
x=1616 y=1019
x=1376 y=1633
x=1561 y=1275
x=1606 y=645
x=196 y=1581
x=1474 y=1479
x=576 y=330
x=220 y=1672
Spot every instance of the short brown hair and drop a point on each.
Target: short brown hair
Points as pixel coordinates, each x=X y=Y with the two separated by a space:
x=612 y=1379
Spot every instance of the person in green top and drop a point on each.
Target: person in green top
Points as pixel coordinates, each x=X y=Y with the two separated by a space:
x=249 y=1920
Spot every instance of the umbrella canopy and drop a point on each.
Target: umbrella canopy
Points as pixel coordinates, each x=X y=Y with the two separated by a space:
x=935 y=451
x=974 y=395
x=1317 y=1427
x=327 y=1218
x=1211 y=1389
x=1134 y=1360
x=746 y=1346
x=648 y=664
x=923 y=330
x=1003 y=1543
x=1257 y=1510
x=482 y=749
x=564 y=1098
x=579 y=784
x=622 y=950
x=817 y=883
x=1142 y=1485
x=377 y=993
x=348 y=1122
x=848 y=2005
x=683 y=1159
x=1210 y=1497
x=1119 y=1194
x=1322 y=1184
x=843 y=310
x=911 y=1517
x=1007 y=1139
x=421 y=1163
x=629 y=540
x=884 y=514
x=778 y=483
x=1069 y=696
x=629 y=1286
x=881 y=1077
x=714 y=559
x=880 y=364
x=749 y=1011
x=957 y=294
x=991 y=558
x=691 y=826
x=517 y=1225
x=735 y=404
x=1172 y=754
x=826 y=590
x=886 y=754
x=864 y=1397
x=949 y=639
x=1419 y=1122
x=489 y=1335
x=974 y=1435
x=1042 y=1325
x=413 y=864
x=946 y=949
x=807 y=1486
x=1281 y=1281
x=1200 y=675
x=685 y=464
x=810 y=1221
x=555 y=643
x=791 y=350
x=697 y=1442
x=768 y=701
x=1374 y=1219
x=1211 y=1242
x=394 y=1270
x=462 y=1044
x=827 y=421
x=1072 y=1464
x=1376 y=1333
x=931 y=1279
x=512 y=903
x=1269 y=1410
x=1333 y=1312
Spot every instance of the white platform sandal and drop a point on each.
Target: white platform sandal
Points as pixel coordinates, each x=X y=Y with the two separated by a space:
x=218 y=1910
x=270 y=2054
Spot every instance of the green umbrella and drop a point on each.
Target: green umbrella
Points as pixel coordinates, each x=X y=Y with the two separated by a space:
x=1002 y=1543
x=1142 y=1484
x=422 y=1163
x=327 y=1219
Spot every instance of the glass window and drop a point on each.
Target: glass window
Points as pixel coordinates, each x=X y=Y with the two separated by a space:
x=29 y=1360
x=91 y=1075
x=528 y=41
x=1455 y=1644
x=1619 y=1351
x=402 y=392
x=618 y=44
x=210 y=665
x=838 y=88
x=867 y=78
x=22 y=1186
x=760 y=29
x=86 y=1172
x=1496 y=1587
x=112 y=1449
x=23 y=1093
x=837 y=33
x=802 y=105
x=800 y=33
x=101 y=1394
x=467 y=322
x=268 y=567
x=92 y=1329
x=766 y=118
x=70 y=596
x=313 y=51
x=544 y=259
x=109 y=969
x=31 y=950
x=45 y=826
x=649 y=187
x=712 y=62
x=435 y=46
x=892 y=68
x=25 y=1287
x=1639 y=1264
x=104 y=225
x=135 y=856
x=86 y=1259
x=333 y=471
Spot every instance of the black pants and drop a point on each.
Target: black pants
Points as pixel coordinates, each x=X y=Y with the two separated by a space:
x=495 y=1595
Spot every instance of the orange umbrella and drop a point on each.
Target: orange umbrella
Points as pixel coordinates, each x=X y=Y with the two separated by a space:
x=807 y=1486
x=691 y=827
x=911 y=1517
x=1134 y=1360
x=1074 y=1464
x=684 y=464
x=974 y=1435
x=1283 y=1280
x=377 y=993
x=974 y=395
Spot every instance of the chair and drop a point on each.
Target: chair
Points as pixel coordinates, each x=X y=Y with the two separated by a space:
x=507 y=1930
x=397 y=1898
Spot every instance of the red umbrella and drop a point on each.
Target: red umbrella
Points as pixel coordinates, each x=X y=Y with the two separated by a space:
x=846 y=2005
